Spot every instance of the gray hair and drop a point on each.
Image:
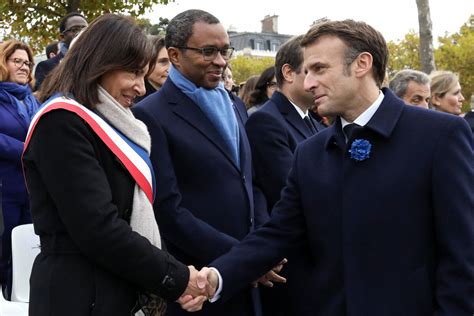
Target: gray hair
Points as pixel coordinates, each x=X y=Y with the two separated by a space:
x=399 y=83
x=180 y=28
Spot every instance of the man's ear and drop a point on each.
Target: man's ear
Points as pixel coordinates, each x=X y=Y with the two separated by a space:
x=61 y=37
x=174 y=55
x=363 y=64
x=288 y=73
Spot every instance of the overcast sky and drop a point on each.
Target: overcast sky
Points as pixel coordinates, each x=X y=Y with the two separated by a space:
x=393 y=18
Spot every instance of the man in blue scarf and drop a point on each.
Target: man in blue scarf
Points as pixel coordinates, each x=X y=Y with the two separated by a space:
x=206 y=201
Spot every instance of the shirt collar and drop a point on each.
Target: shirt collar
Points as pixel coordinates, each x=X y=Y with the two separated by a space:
x=299 y=110
x=365 y=117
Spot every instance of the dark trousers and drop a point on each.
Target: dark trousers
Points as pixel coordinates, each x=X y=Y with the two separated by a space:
x=14 y=213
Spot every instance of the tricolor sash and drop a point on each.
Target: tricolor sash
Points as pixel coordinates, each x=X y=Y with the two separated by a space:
x=133 y=157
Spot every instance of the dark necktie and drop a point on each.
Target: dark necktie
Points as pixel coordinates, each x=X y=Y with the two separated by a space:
x=310 y=125
x=349 y=130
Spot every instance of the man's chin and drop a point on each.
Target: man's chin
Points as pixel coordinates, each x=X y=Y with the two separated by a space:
x=210 y=85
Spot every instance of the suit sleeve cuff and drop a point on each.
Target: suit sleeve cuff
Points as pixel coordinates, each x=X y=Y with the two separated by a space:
x=217 y=295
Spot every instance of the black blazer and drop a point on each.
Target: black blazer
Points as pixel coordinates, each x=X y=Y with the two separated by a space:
x=91 y=262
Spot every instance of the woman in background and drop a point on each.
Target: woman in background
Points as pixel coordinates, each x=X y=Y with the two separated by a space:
x=263 y=91
x=17 y=106
x=446 y=93
x=159 y=73
x=246 y=89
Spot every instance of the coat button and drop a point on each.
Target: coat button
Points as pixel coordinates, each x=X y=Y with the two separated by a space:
x=243 y=178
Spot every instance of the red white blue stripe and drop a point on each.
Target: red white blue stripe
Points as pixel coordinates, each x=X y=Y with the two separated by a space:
x=134 y=158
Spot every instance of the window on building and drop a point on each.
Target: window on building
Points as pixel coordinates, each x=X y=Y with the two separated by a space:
x=275 y=46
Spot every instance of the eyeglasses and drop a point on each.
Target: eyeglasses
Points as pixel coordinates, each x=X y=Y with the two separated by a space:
x=75 y=29
x=210 y=53
x=20 y=62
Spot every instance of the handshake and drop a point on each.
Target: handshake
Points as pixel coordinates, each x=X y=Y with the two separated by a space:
x=202 y=285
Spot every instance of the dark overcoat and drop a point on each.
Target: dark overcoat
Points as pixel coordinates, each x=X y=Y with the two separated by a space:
x=390 y=235
x=206 y=202
x=91 y=262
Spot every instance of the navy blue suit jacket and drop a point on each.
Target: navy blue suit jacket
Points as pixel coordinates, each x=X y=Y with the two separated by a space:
x=390 y=235
x=205 y=202
x=274 y=131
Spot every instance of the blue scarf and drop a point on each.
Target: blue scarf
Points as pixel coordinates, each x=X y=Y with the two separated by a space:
x=20 y=96
x=217 y=106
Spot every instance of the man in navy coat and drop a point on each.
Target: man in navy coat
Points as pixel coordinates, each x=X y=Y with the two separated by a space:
x=206 y=202
x=282 y=123
x=274 y=131
x=386 y=207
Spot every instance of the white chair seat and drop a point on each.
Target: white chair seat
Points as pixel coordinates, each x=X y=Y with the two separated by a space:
x=25 y=248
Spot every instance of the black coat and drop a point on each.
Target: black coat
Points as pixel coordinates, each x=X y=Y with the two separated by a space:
x=91 y=262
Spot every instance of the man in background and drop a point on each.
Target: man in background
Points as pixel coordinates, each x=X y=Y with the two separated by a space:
x=274 y=132
x=412 y=86
x=69 y=27
x=52 y=50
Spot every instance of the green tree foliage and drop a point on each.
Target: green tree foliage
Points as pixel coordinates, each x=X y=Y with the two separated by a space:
x=454 y=53
x=37 y=21
x=160 y=28
x=404 y=54
x=245 y=66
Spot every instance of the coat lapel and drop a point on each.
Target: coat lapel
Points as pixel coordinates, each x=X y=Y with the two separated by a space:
x=290 y=114
x=190 y=112
x=382 y=123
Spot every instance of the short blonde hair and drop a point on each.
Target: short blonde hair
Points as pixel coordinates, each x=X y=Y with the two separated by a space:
x=442 y=81
x=6 y=50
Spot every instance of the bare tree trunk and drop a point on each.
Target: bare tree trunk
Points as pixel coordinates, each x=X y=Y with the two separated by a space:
x=426 y=36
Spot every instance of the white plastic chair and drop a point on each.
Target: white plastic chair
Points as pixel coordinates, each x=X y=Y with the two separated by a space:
x=25 y=248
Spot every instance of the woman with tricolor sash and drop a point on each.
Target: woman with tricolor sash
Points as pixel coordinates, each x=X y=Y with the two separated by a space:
x=91 y=185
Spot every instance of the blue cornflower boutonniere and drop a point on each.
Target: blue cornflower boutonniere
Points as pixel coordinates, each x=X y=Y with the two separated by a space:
x=360 y=149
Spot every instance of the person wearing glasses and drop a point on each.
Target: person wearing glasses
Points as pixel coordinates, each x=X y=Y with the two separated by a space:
x=69 y=27
x=263 y=91
x=17 y=106
x=206 y=201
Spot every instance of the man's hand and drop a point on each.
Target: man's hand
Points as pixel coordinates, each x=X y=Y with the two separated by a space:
x=195 y=294
x=210 y=278
x=272 y=276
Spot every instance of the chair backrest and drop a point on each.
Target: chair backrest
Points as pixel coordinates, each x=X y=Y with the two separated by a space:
x=25 y=248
